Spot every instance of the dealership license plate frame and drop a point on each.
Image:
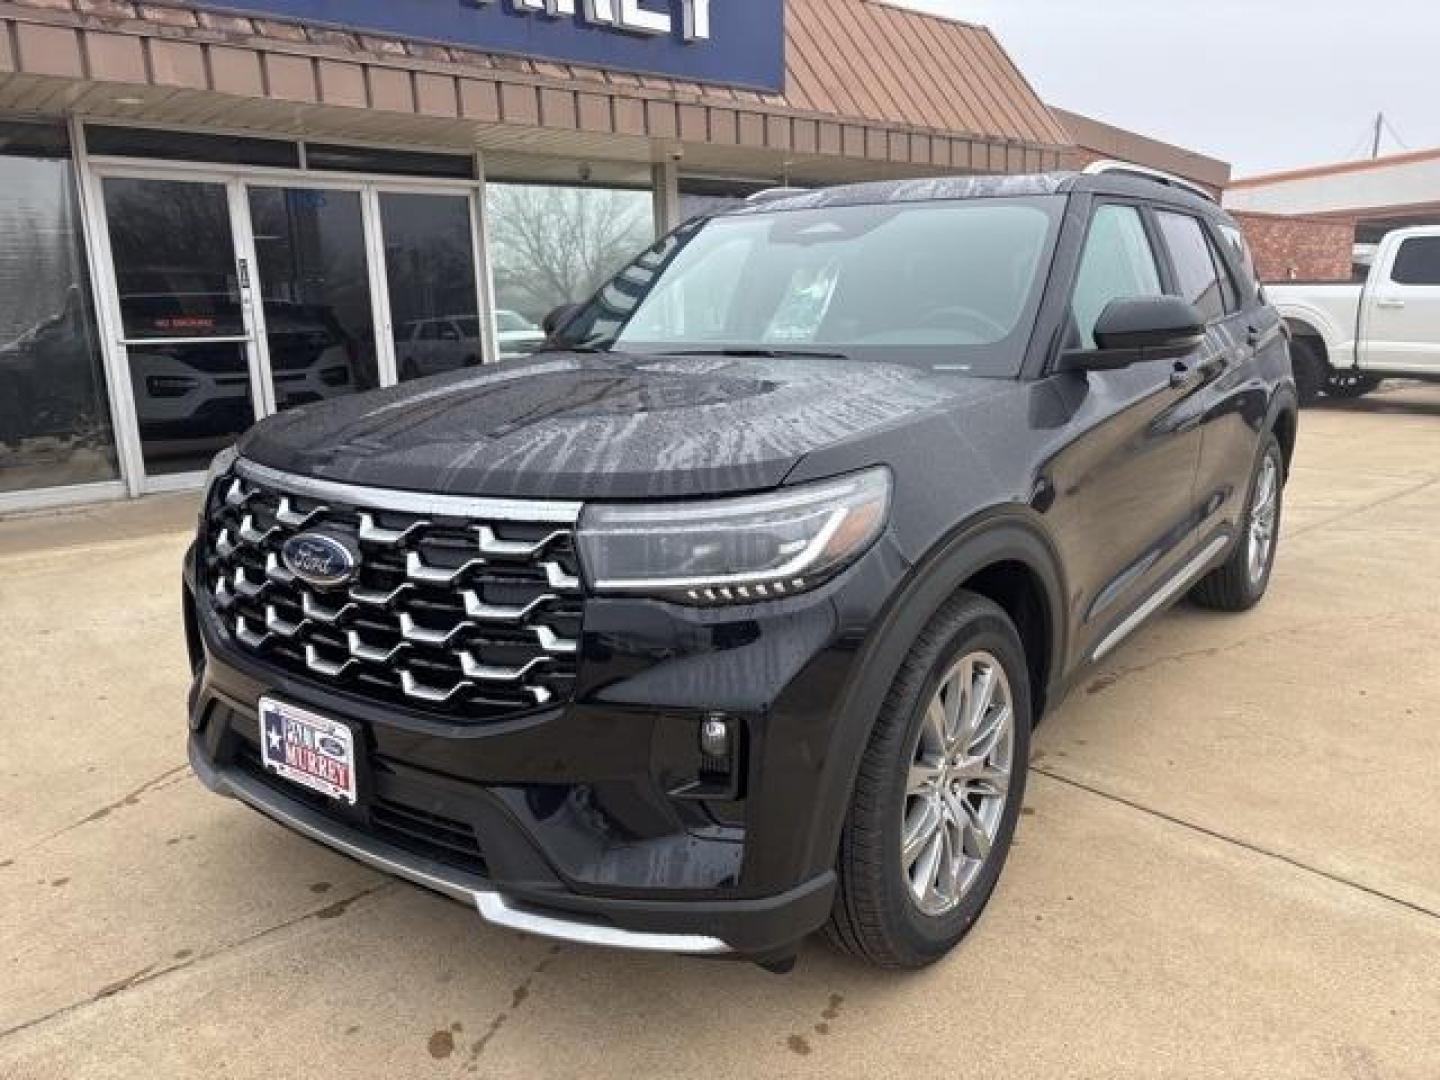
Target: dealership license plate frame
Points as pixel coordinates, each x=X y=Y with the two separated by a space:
x=320 y=727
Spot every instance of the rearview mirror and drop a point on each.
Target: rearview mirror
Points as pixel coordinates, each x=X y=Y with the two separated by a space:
x=1137 y=329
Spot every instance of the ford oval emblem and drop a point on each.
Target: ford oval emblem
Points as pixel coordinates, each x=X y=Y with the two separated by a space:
x=332 y=747
x=320 y=560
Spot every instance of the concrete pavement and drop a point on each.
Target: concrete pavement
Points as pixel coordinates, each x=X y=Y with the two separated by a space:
x=1229 y=863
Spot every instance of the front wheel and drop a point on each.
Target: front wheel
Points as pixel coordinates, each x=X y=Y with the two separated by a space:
x=939 y=791
x=1240 y=583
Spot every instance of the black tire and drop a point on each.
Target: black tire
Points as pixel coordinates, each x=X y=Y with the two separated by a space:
x=1307 y=360
x=1349 y=385
x=875 y=916
x=1232 y=587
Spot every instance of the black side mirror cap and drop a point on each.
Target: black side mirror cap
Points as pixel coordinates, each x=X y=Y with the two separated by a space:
x=1136 y=329
x=555 y=321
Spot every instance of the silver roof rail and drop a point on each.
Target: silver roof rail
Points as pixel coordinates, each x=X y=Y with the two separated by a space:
x=1127 y=168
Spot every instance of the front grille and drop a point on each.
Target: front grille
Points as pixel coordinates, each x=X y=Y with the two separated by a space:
x=472 y=617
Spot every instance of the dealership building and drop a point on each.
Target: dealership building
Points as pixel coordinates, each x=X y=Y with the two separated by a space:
x=209 y=214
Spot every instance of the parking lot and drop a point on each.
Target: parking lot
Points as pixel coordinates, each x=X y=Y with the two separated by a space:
x=1229 y=862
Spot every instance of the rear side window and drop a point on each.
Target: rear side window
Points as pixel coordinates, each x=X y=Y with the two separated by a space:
x=1198 y=276
x=1118 y=264
x=1250 y=285
x=1418 y=262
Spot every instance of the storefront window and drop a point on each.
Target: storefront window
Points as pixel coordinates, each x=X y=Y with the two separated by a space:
x=54 y=411
x=553 y=245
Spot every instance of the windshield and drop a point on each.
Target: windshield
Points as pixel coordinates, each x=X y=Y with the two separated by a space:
x=948 y=285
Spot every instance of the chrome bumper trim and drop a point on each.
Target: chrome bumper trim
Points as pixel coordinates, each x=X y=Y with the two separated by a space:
x=469 y=889
x=496 y=909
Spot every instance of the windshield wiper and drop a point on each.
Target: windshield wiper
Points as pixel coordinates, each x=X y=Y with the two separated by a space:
x=758 y=353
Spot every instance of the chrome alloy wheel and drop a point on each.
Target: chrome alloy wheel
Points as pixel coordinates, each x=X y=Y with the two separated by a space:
x=1263 y=513
x=958 y=783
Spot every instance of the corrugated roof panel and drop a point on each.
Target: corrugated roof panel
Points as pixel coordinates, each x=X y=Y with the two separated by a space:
x=872 y=60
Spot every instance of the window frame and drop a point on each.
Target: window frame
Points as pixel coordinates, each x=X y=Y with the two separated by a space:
x=1162 y=265
x=1218 y=259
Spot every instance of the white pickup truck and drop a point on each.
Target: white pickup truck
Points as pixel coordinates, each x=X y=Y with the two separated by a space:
x=1346 y=338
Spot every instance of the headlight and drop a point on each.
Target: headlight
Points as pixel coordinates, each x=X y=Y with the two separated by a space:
x=734 y=550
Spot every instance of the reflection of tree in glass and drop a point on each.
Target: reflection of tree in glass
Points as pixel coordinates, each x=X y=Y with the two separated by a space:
x=557 y=245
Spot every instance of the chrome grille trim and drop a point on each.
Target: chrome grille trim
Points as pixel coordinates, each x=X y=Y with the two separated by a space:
x=476 y=618
x=411 y=502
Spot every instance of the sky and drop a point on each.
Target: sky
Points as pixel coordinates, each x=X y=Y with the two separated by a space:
x=1264 y=84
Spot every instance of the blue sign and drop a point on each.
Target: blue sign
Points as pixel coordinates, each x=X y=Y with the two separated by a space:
x=736 y=42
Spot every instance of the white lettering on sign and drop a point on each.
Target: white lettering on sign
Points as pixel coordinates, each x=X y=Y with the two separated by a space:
x=623 y=15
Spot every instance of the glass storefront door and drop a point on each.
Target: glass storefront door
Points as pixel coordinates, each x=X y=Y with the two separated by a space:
x=314 y=278
x=237 y=296
x=181 y=295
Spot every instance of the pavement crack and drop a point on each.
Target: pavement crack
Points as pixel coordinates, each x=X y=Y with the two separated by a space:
x=1353 y=511
x=154 y=972
x=155 y=783
x=1108 y=679
x=1235 y=841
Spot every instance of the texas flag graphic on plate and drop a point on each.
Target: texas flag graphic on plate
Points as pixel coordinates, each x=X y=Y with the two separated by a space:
x=308 y=749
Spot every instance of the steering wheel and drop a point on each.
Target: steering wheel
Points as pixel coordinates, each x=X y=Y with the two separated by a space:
x=959 y=317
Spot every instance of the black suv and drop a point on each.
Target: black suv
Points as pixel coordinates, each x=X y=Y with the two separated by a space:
x=727 y=617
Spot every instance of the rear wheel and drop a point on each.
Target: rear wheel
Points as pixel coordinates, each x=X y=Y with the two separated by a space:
x=1241 y=582
x=939 y=792
x=1307 y=359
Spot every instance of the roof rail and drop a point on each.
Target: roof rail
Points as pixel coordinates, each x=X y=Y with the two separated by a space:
x=771 y=194
x=1126 y=168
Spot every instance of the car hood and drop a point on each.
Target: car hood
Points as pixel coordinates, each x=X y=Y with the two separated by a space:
x=573 y=426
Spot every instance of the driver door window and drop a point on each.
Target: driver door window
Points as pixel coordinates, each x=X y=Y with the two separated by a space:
x=1118 y=264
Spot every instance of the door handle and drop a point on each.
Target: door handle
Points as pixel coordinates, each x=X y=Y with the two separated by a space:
x=1393 y=305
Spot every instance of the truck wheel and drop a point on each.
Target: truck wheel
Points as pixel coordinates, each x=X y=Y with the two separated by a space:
x=1240 y=583
x=939 y=791
x=1349 y=385
x=1310 y=367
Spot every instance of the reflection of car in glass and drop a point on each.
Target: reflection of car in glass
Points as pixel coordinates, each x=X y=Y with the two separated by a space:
x=431 y=346
x=518 y=336
x=190 y=389
x=48 y=376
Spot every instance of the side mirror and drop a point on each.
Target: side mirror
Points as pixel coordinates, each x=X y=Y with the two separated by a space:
x=1141 y=328
x=556 y=320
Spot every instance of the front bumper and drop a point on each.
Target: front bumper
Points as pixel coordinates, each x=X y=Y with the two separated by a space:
x=593 y=822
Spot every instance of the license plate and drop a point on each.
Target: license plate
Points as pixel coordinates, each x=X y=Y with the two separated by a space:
x=308 y=749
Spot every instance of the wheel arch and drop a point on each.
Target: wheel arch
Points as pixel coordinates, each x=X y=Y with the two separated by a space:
x=1003 y=555
x=1285 y=423
x=1302 y=328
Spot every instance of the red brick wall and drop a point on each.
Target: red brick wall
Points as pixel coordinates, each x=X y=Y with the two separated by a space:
x=1299 y=248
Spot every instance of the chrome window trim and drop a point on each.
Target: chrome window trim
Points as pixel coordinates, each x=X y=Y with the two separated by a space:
x=411 y=502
